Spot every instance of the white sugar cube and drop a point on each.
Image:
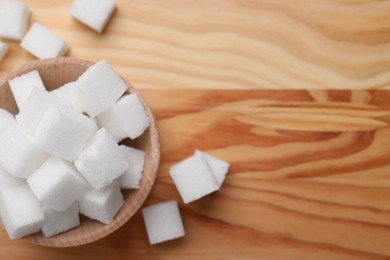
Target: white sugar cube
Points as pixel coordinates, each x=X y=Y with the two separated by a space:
x=163 y=222
x=42 y=43
x=93 y=119
x=14 y=18
x=6 y=120
x=64 y=133
x=8 y=181
x=57 y=222
x=71 y=93
x=132 y=176
x=126 y=119
x=100 y=87
x=218 y=166
x=35 y=107
x=193 y=178
x=19 y=156
x=21 y=212
x=57 y=184
x=102 y=160
x=102 y=205
x=21 y=86
x=3 y=50
x=94 y=14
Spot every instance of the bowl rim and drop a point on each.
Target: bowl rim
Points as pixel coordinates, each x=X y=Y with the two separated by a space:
x=119 y=220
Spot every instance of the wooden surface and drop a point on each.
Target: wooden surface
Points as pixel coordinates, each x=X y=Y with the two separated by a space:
x=294 y=191
x=231 y=44
x=290 y=194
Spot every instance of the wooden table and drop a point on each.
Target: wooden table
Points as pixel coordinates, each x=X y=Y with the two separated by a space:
x=310 y=170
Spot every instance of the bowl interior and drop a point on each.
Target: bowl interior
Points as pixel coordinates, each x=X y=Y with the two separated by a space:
x=55 y=73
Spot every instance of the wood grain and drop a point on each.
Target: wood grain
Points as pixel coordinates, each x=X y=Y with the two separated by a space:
x=290 y=193
x=231 y=44
x=294 y=191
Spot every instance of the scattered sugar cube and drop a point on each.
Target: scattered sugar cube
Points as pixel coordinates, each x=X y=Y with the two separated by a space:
x=14 y=18
x=19 y=156
x=57 y=184
x=21 y=212
x=163 y=222
x=35 y=107
x=6 y=120
x=126 y=119
x=103 y=204
x=218 y=166
x=42 y=43
x=102 y=160
x=57 y=222
x=71 y=93
x=100 y=87
x=193 y=178
x=3 y=50
x=8 y=181
x=21 y=86
x=132 y=176
x=64 y=133
x=94 y=14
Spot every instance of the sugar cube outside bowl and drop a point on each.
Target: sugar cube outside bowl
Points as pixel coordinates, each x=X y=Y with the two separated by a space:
x=55 y=73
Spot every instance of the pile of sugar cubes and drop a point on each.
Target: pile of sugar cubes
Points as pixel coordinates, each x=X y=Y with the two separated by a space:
x=194 y=177
x=59 y=156
x=74 y=131
x=38 y=39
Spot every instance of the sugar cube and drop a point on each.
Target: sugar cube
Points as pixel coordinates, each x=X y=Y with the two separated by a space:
x=100 y=88
x=163 y=222
x=218 y=166
x=93 y=119
x=193 y=178
x=8 y=181
x=126 y=119
x=21 y=86
x=103 y=204
x=57 y=184
x=35 y=107
x=42 y=43
x=6 y=120
x=71 y=93
x=21 y=212
x=57 y=222
x=14 y=18
x=94 y=14
x=19 y=156
x=102 y=160
x=3 y=50
x=132 y=176
x=64 y=133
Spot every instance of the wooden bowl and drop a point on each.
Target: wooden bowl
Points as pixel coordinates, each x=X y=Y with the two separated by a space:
x=55 y=73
